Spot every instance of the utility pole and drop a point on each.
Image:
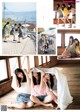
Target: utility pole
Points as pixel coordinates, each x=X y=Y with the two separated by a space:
x=4 y=9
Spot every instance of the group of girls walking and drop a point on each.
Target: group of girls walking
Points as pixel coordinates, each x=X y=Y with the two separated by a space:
x=12 y=29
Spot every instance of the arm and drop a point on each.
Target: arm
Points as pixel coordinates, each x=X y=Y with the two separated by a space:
x=32 y=84
x=14 y=82
x=65 y=50
x=42 y=82
x=26 y=73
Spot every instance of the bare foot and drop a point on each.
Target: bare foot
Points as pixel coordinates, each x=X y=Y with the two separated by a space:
x=35 y=105
x=60 y=57
x=49 y=105
x=10 y=105
x=46 y=105
x=57 y=108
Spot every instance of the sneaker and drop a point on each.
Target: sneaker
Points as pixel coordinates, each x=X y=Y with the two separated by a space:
x=18 y=42
x=4 y=41
x=14 y=40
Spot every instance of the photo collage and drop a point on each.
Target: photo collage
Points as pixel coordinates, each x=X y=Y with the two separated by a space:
x=40 y=55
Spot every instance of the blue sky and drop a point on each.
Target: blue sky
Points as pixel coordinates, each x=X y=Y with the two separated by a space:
x=20 y=6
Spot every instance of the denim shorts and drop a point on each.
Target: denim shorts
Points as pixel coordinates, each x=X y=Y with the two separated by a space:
x=42 y=97
x=23 y=97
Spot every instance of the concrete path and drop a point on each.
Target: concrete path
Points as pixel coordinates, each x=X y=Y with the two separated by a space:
x=27 y=46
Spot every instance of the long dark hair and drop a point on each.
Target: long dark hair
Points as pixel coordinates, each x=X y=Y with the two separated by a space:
x=71 y=37
x=18 y=70
x=77 y=41
x=51 y=81
x=6 y=24
x=36 y=82
x=63 y=6
x=69 y=6
x=58 y=6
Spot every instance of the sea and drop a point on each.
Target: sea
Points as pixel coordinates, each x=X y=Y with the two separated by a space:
x=28 y=17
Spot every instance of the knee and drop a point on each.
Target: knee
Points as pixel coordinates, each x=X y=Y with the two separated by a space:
x=30 y=104
x=31 y=97
x=52 y=96
x=22 y=105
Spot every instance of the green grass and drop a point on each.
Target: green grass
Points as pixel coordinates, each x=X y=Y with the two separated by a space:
x=3 y=23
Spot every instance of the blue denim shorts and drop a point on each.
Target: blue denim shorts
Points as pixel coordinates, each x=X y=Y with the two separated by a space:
x=23 y=97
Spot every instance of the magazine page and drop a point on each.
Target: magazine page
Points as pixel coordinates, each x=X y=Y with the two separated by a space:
x=39 y=55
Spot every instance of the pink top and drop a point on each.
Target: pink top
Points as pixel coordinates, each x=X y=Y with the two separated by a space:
x=37 y=92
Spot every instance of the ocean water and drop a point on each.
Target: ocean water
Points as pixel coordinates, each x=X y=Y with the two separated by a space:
x=22 y=16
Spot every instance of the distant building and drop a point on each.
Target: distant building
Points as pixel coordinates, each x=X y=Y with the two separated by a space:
x=32 y=27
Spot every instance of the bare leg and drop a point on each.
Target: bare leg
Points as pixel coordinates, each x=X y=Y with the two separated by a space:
x=36 y=100
x=17 y=105
x=72 y=20
x=50 y=97
x=65 y=54
x=63 y=20
x=13 y=37
x=18 y=39
x=5 y=37
x=67 y=19
x=29 y=104
x=55 y=92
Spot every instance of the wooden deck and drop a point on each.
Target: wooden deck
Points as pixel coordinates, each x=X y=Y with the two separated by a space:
x=72 y=71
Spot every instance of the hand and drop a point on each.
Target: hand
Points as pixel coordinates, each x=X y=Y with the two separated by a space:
x=30 y=73
x=25 y=71
x=31 y=70
x=42 y=73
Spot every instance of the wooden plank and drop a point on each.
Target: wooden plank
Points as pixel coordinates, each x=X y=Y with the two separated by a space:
x=19 y=62
x=73 y=31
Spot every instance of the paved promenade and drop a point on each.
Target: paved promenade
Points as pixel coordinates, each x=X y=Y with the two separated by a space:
x=26 y=47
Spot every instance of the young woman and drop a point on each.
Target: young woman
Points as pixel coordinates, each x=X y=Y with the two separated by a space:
x=73 y=19
x=77 y=46
x=70 y=50
x=20 y=29
x=36 y=78
x=51 y=82
x=12 y=32
x=69 y=7
x=21 y=83
x=40 y=94
x=5 y=32
x=65 y=14
x=59 y=13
